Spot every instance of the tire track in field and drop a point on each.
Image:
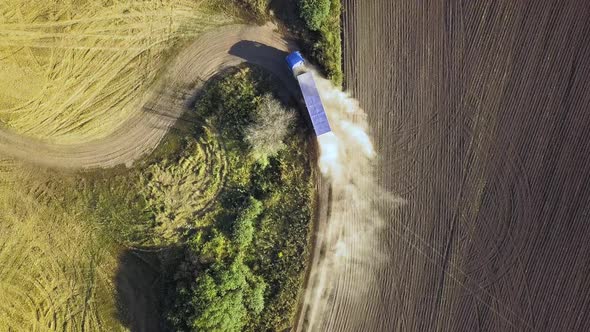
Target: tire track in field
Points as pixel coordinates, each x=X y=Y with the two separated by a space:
x=35 y=265
x=209 y=54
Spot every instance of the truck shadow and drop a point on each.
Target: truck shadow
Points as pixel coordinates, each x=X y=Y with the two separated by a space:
x=258 y=53
x=179 y=100
x=268 y=58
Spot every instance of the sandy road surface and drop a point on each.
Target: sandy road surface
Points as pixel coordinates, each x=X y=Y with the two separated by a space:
x=481 y=115
x=204 y=58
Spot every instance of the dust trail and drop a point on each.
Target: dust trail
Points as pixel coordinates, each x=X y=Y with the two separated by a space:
x=345 y=270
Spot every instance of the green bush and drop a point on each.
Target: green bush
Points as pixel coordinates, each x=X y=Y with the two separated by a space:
x=226 y=295
x=216 y=249
x=244 y=225
x=314 y=12
x=323 y=18
x=328 y=51
x=221 y=299
x=230 y=104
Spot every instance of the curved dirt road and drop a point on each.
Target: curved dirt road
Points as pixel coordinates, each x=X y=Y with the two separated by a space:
x=209 y=54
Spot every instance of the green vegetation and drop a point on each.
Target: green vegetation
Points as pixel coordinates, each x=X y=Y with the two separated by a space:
x=226 y=293
x=323 y=18
x=314 y=12
x=178 y=188
x=243 y=265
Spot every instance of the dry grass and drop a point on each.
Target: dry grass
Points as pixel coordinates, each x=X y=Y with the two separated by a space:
x=178 y=191
x=56 y=272
x=69 y=75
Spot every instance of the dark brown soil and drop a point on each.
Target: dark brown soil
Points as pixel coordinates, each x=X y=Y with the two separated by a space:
x=480 y=111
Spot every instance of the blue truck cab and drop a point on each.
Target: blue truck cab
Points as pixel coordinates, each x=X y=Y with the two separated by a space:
x=295 y=61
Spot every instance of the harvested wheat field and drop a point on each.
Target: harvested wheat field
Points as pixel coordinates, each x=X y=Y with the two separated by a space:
x=479 y=111
x=56 y=272
x=72 y=76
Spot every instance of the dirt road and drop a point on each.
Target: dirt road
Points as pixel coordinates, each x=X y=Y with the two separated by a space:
x=480 y=114
x=205 y=57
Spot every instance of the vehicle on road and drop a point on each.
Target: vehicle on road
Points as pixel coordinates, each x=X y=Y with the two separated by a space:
x=315 y=108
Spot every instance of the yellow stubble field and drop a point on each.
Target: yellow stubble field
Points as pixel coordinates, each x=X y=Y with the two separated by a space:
x=72 y=71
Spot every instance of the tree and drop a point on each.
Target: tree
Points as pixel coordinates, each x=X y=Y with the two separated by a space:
x=226 y=294
x=271 y=124
x=221 y=299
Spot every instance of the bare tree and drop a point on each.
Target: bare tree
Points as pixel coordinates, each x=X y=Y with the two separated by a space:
x=271 y=125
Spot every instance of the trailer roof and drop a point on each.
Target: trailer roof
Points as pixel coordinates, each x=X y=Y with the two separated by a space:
x=314 y=104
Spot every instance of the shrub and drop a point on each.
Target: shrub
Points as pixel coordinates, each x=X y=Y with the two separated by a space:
x=221 y=299
x=327 y=50
x=314 y=12
x=323 y=18
x=230 y=104
x=244 y=225
x=271 y=125
x=227 y=295
x=214 y=250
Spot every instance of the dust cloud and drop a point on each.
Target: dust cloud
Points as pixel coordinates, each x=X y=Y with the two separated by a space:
x=350 y=249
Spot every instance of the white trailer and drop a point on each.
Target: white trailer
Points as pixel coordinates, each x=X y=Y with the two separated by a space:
x=315 y=108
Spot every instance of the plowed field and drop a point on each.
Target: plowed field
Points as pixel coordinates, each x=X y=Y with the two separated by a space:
x=480 y=114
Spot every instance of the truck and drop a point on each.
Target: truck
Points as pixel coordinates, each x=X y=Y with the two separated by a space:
x=311 y=96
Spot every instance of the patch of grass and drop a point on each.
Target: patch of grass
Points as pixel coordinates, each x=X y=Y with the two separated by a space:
x=257 y=233
x=178 y=190
x=249 y=10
